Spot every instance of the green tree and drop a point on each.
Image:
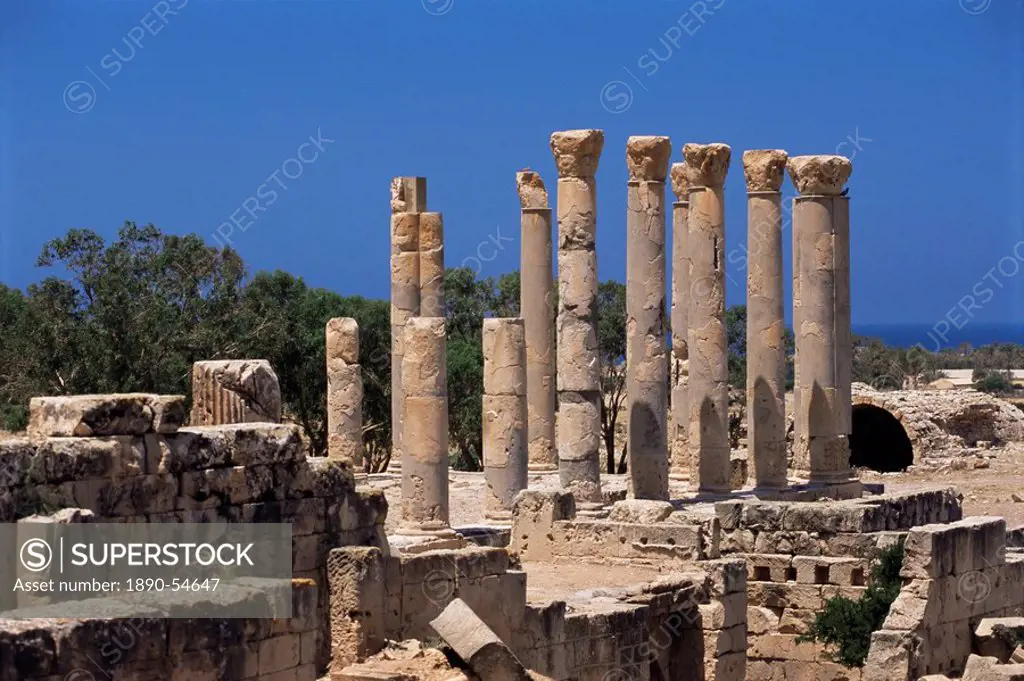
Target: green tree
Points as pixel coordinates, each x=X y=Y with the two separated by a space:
x=736 y=337
x=611 y=344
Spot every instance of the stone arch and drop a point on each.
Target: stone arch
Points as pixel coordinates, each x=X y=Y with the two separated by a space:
x=879 y=440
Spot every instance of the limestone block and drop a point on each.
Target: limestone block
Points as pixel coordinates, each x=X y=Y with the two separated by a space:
x=405 y=232
x=577 y=213
x=477 y=644
x=889 y=655
x=764 y=169
x=355 y=583
x=504 y=351
x=823 y=175
x=998 y=637
x=408 y=194
x=578 y=415
x=98 y=415
x=534 y=513
x=342 y=340
x=728 y=667
x=725 y=612
x=530 y=187
x=647 y=157
x=424 y=363
x=708 y=163
x=640 y=511
x=783 y=647
x=577 y=152
x=785 y=595
x=234 y=391
x=761 y=620
x=768 y=567
x=796 y=621
x=726 y=576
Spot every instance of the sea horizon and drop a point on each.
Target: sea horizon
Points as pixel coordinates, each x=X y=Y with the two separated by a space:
x=935 y=339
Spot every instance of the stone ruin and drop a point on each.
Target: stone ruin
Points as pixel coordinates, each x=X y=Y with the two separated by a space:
x=699 y=574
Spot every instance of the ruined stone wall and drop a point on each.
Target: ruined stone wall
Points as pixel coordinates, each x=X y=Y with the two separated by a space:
x=545 y=528
x=943 y=422
x=684 y=622
x=143 y=648
x=955 y=575
x=131 y=463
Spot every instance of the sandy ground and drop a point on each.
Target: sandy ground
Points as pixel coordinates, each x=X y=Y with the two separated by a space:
x=986 y=491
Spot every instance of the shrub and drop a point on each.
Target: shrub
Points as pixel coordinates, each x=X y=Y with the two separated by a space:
x=845 y=625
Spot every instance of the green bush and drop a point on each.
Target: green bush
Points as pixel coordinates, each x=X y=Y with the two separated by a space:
x=845 y=625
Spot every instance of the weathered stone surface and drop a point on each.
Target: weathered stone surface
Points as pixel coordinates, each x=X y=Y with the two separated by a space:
x=344 y=392
x=577 y=152
x=680 y=175
x=234 y=391
x=94 y=415
x=707 y=163
x=640 y=511
x=764 y=169
x=647 y=157
x=342 y=338
x=823 y=175
x=408 y=194
x=477 y=644
x=531 y=190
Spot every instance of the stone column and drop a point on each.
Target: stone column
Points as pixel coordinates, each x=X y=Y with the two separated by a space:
x=344 y=393
x=431 y=245
x=504 y=414
x=408 y=200
x=820 y=180
x=646 y=360
x=425 y=435
x=766 y=325
x=234 y=391
x=708 y=388
x=577 y=153
x=537 y=305
x=680 y=454
x=844 y=328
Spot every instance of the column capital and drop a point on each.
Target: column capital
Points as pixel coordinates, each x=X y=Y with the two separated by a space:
x=647 y=157
x=764 y=169
x=824 y=175
x=577 y=152
x=680 y=175
x=708 y=163
x=530 y=186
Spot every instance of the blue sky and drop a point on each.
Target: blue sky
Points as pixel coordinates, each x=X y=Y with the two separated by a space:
x=177 y=112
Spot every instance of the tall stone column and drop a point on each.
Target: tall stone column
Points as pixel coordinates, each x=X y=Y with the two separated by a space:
x=505 y=449
x=408 y=200
x=680 y=454
x=344 y=393
x=844 y=328
x=820 y=180
x=646 y=361
x=766 y=326
x=537 y=305
x=577 y=153
x=431 y=246
x=425 y=435
x=708 y=388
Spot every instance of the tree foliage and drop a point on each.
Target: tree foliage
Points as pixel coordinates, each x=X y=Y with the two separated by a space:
x=611 y=343
x=845 y=625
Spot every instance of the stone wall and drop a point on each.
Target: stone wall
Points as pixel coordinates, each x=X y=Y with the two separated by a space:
x=144 y=649
x=687 y=621
x=944 y=422
x=132 y=465
x=955 y=575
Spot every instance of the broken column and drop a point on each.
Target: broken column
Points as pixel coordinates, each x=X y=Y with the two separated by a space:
x=234 y=391
x=425 y=433
x=537 y=306
x=818 y=213
x=431 y=246
x=408 y=200
x=708 y=387
x=505 y=448
x=477 y=644
x=680 y=454
x=646 y=362
x=344 y=392
x=577 y=153
x=766 y=350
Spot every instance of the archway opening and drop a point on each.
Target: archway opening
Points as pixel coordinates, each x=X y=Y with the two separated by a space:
x=879 y=441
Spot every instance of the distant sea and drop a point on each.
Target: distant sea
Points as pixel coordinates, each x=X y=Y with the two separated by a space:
x=907 y=335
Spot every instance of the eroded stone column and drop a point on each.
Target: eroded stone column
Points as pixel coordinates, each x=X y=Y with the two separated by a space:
x=431 y=245
x=766 y=326
x=234 y=391
x=820 y=180
x=537 y=305
x=646 y=361
x=408 y=200
x=708 y=387
x=425 y=433
x=680 y=454
x=577 y=153
x=344 y=393
x=505 y=449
